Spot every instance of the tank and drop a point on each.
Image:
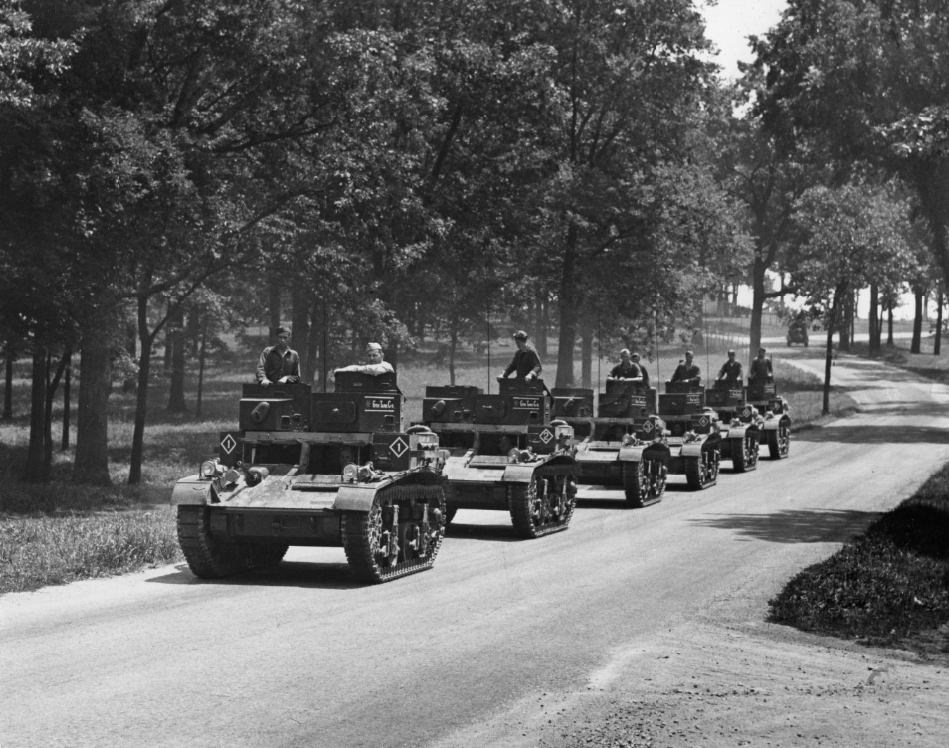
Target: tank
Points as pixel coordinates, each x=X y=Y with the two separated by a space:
x=797 y=332
x=739 y=425
x=776 y=415
x=694 y=439
x=624 y=444
x=317 y=469
x=505 y=453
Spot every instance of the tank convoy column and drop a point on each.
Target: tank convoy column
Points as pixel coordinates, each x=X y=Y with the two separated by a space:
x=317 y=469
x=505 y=453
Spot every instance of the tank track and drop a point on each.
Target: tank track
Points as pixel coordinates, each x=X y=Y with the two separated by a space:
x=702 y=472
x=211 y=558
x=523 y=505
x=643 y=482
x=364 y=533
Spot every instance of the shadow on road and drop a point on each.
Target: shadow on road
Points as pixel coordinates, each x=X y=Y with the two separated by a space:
x=287 y=574
x=794 y=526
x=482 y=532
x=875 y=435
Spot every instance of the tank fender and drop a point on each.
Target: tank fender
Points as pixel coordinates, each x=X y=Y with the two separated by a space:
x=518 y=473
x=190 y=491
x=694 y=449
x=771 y=424
x=737 y=432
x=455 y=467
x=357 y=497
x=632 y=454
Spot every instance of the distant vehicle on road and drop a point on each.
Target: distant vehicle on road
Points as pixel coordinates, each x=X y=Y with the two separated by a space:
x=797 y=332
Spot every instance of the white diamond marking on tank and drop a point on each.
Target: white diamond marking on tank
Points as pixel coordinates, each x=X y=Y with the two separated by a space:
x=228 y=444
x=398 y=447
x=545 y=436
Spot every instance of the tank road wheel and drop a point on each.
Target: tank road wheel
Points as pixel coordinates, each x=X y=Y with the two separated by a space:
x=779 y=442
x=656 y=475
x=635 y=484
x=544 y=506
x=399 y=535
x=702 y=472
x=209 y=557
x=751 y=451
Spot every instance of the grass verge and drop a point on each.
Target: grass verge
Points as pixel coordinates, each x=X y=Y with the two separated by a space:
x=889 y=587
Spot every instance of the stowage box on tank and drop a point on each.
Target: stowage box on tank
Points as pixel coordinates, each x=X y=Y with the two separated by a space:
x=317 y=469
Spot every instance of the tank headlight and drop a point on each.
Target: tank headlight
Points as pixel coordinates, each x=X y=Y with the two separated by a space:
x=209 y=468
x=350 y=472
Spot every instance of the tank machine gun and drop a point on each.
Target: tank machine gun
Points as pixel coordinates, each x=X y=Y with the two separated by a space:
x=317 y=469
x=625 y=444
x=505 y=453
x=694 y=437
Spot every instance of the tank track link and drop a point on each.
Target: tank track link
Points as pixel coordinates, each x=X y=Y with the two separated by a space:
x=533 y=516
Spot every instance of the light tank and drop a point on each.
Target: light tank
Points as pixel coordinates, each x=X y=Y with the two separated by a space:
x=776 y=414
x=624 y=444
x=505 y=453
x=740 y=425
x=694 y=437
x=317 y=469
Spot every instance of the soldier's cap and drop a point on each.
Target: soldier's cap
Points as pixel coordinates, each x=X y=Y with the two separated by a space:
x=624 y=352
x=282 y=330
x=761 y=350
x=635 y=354
x=373 y=347
x=731 y=351
x=690 y=352
x=519 y=335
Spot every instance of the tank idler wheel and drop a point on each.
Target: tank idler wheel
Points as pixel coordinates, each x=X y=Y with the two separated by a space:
x=702 y=472
x=209 y=557
x=779 y=442
x=635 y=484
x=544 y=506
x=399 y=535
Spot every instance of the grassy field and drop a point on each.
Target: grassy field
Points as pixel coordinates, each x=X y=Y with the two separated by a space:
x=58 y=532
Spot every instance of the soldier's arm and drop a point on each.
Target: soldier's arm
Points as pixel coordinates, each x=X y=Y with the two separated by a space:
x=262 y=368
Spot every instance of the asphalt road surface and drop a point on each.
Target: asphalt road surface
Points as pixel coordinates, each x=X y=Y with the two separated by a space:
x=467 y=653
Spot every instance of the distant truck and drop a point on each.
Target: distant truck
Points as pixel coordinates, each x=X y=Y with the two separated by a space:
x=317 y=469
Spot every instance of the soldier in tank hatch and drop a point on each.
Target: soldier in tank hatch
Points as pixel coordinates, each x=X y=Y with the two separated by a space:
x=525 y=364
x=376 y=365
x=278 y=362
x=730 y=372
x=626 y=369
x=687 y=371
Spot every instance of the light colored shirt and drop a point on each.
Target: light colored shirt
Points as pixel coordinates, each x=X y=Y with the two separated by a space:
x=375 y=369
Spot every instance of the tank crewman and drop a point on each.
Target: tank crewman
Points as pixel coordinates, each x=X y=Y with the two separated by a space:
x=525 y=364
x=687 y=371
x=627 y=369
x=642 y=368
x=731 y=370
x=761 y=370
x=279 y=362
x=376 y=363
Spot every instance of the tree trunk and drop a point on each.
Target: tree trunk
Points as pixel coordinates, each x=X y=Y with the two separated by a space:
x=757 y=304
x=175 y=337
x=67 y=400
x=873 y=321
x=313 y=341
x=915 y=345
x=51 y=388
x=829 y=349
x=889 y=325
x=8 y=383
x=937 y=341
x=586 y=358
x=540 y=324
x=845 y=315
x=300 y=325
x=131 y=336
x=92 y=418
x=36 y=471
x=273 y=305
x=202 y=357
x=146 y=340
x=568 y=310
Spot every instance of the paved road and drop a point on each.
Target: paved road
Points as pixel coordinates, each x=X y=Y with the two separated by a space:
x=303 y=657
